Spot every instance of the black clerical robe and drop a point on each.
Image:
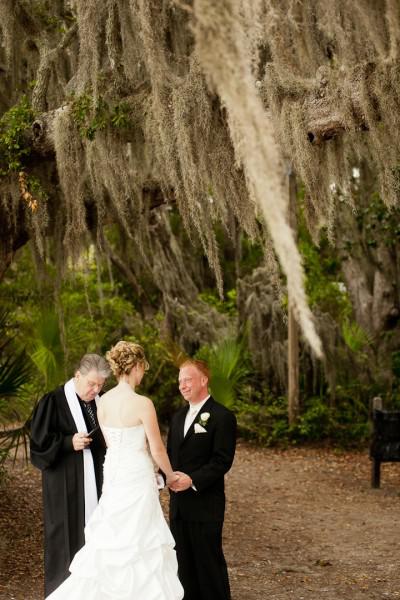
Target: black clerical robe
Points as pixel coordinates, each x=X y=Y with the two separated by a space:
x=52 y=430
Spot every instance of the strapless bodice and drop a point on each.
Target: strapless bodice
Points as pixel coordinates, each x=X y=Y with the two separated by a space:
x=127 y=457
x=132 y=437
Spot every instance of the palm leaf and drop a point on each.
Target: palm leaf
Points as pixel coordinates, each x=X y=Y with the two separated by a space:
x=48 y=352
x=14 y=373
x=222 y=390
x=12 y=440
x=226 y=362
x=355 y=337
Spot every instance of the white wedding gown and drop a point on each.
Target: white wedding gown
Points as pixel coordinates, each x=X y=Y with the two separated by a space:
x=129 y=551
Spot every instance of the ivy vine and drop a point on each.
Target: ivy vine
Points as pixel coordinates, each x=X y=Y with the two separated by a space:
x=91 y=117
x=14 y=144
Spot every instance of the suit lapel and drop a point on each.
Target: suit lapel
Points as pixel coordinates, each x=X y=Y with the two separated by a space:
x=180 y=424
x=205 y=408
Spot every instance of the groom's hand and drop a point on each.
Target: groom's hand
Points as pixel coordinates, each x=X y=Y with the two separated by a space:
x=184 y=482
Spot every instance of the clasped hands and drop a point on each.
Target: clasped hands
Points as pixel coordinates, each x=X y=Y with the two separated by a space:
x=179 y=482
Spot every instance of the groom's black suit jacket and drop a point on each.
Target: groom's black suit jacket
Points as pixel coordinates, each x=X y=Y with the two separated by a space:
x=205 y=457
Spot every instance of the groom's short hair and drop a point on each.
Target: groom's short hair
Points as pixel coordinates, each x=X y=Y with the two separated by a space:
x=201 y=365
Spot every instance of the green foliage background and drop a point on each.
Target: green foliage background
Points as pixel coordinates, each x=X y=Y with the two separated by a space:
x=52 y=323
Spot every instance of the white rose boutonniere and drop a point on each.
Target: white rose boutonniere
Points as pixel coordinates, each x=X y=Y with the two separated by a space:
x=203 y=420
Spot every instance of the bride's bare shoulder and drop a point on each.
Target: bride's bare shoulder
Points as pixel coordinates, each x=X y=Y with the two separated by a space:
x=109 y=394
x=144 y=401
x=142 y=398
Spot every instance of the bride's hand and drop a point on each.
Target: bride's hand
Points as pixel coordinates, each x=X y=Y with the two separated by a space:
x=171 y=479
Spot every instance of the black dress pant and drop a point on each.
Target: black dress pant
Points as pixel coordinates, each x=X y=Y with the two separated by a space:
x=201 y=563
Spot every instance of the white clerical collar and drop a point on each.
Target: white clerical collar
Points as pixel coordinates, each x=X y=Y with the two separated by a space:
x=198 y=405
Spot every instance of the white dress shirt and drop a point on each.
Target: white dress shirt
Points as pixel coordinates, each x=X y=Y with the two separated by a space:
x=192 y=413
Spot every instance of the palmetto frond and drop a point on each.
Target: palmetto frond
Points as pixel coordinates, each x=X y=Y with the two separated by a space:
x=48 y=352
x=227 y=368
x=14 y=373
x=11 y=440
x=355 y=337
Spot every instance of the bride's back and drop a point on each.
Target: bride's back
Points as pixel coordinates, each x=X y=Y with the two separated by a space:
x=120 y=407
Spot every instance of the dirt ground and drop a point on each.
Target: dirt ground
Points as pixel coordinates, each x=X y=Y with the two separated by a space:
x=301 y=524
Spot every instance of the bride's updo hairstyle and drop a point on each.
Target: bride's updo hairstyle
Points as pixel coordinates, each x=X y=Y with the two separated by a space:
x=124 y=356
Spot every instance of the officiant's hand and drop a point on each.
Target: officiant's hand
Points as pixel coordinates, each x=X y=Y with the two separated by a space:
x=80 y=441
x=183 y=483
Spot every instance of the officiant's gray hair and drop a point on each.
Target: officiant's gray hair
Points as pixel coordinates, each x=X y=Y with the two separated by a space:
x=94 y=362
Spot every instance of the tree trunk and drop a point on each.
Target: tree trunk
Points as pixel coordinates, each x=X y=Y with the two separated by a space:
x=293 y=328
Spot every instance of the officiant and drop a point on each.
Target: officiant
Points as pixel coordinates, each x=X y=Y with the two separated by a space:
x=71 y=462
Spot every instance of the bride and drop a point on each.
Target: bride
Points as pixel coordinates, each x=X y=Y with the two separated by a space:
x=129 y=551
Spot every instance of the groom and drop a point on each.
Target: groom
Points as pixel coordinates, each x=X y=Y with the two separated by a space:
x=201 y=446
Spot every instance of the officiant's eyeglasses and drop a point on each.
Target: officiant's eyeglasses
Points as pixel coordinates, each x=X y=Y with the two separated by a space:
x=93 y=385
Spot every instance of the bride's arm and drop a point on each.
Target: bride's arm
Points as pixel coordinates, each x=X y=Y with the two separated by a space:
x=157 y=448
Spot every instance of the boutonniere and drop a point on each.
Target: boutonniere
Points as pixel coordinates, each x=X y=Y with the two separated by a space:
x=203 y=420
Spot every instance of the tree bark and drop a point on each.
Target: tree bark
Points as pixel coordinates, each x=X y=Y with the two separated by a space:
x=48 y=57
x=324 y=116
x=293 y=328
x=9 y=246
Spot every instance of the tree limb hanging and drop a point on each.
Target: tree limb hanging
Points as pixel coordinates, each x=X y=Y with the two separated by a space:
x=44 y=70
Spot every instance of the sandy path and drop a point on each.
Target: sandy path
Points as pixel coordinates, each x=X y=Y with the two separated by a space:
x=301 y=524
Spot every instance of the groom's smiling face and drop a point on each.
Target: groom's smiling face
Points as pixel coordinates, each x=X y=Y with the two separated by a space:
x=192 y=384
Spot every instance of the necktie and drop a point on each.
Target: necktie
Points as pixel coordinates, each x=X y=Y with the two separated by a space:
x=91 y=415
x=192 y=412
